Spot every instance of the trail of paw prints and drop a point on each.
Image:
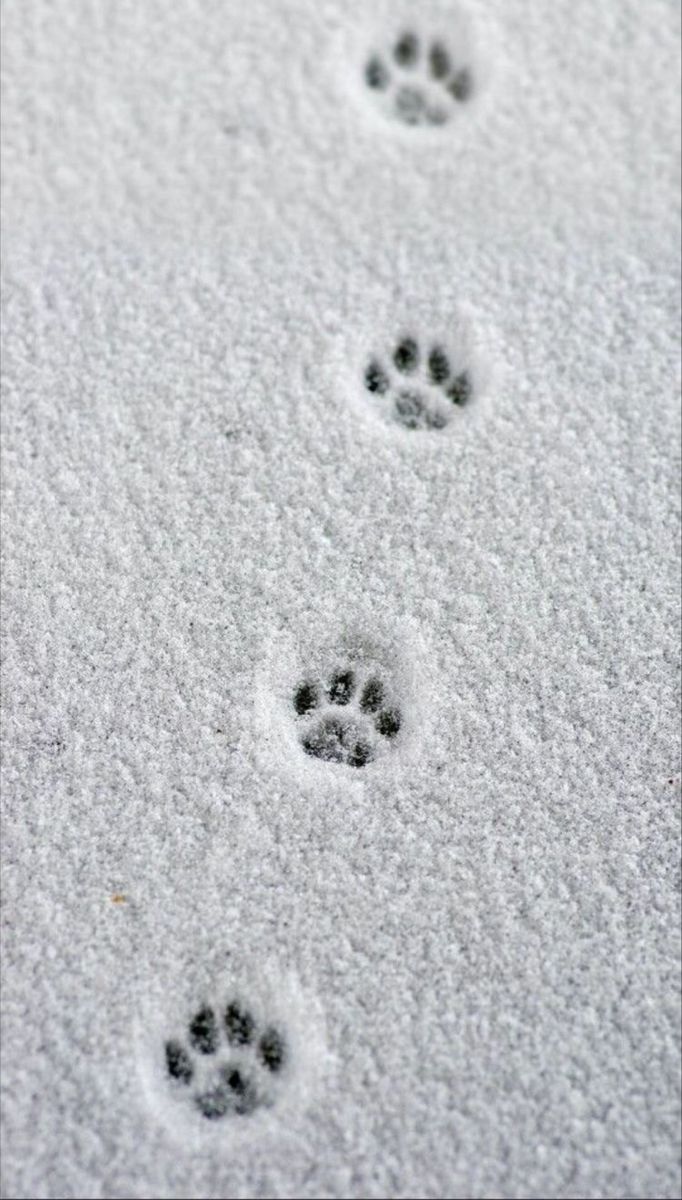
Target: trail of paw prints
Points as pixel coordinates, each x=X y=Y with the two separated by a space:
x=416 y=390
x=418 y=82
x=345 y=719
x=226 y=1065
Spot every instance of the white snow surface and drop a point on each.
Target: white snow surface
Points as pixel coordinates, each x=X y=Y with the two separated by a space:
x=469 y=943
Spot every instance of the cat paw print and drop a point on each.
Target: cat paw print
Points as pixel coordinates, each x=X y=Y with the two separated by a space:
x=347 y=720
x=226 y=1065
x=418 y=82
x=417 y=390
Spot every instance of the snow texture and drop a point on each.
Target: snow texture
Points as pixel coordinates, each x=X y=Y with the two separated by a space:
x=217 y=218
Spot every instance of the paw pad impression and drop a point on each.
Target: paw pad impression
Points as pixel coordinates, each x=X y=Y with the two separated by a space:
x=418 y=81
x=347 y=718
x=420 y=389
x=227 y=1064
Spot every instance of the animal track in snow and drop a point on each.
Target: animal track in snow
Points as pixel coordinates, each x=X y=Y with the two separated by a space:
x=418 y=81
x=346 y=719
x=226 y=1065
x=418 y=391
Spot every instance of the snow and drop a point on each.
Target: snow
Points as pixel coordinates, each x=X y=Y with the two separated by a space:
x=469 y=942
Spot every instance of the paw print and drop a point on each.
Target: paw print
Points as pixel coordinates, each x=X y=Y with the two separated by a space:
x=227 y=1065
x=347 y=720
x=419 y=392
x=418 y=84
